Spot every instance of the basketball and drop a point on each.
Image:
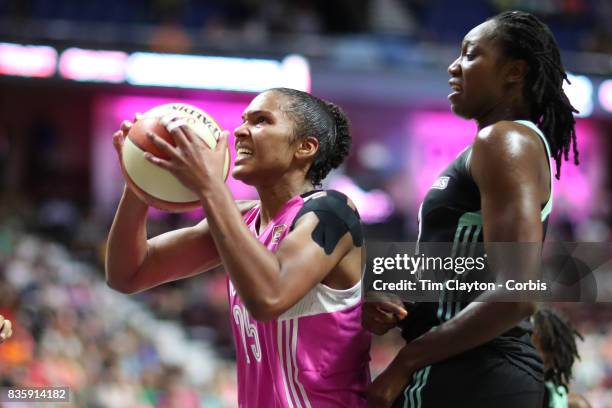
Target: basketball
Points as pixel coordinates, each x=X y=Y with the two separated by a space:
x=154 y=185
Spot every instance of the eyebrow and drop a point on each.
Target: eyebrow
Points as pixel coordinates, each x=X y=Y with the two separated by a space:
x=254 y=112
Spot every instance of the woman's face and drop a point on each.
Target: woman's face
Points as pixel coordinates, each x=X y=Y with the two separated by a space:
x=265 y=143
x=477 y=75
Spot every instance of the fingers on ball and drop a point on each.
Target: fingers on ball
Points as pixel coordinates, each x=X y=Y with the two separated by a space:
x=173 y=121
x=160 y=143
x=126 y=125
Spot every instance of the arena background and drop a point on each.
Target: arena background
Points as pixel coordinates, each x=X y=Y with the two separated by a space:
x=71 y=71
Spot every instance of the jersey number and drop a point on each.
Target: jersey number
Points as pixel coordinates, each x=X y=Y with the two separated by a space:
x=247 y=329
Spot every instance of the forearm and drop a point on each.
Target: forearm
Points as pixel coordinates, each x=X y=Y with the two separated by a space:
x=253 y=269
x=477 y=324
x=127 y=241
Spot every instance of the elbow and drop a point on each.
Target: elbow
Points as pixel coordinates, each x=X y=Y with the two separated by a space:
x=120 y=285
x=265 y=309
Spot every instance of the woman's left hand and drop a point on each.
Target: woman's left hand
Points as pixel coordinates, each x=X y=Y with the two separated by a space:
x=192 y=161
x=385 y=389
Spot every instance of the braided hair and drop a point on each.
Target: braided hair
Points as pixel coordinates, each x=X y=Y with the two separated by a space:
x=323 y=120
x=558 y=339
x=523 y=36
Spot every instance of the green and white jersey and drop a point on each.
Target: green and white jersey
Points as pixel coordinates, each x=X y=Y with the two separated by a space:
x=451 y=213
x=556 y=395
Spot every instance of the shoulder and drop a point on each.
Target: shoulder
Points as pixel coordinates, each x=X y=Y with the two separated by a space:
x=334 y=211
x=505 y=146
x=507 y=138
x=327 y=198
x=331 y=202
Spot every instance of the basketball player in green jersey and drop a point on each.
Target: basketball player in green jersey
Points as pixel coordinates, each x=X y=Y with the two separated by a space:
x=508 y=78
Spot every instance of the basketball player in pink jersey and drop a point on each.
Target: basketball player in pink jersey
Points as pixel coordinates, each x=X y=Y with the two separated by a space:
x=293 y=259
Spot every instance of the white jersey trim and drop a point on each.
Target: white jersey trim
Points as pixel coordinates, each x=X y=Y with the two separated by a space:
x=279 y=343
x=294 y=352
x=323 y=299
x=287 y=355
x=548 y=207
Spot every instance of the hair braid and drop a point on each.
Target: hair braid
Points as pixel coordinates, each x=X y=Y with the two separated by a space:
x=325 y=121
x=524 y=36
x=558 y=339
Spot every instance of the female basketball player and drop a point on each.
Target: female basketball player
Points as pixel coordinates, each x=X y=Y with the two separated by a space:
x=293 y=260
x=555 y=339
x=508 y=78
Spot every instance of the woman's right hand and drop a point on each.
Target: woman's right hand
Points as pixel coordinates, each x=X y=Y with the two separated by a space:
x=381 y=316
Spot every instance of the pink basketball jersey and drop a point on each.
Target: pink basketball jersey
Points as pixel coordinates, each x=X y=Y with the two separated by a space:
x=315 y=355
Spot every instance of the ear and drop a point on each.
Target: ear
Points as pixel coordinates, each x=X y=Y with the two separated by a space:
x=307 y=148
x=516 y=71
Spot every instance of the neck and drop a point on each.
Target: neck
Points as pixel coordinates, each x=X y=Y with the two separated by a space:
x=274 y=197
x=509 y=109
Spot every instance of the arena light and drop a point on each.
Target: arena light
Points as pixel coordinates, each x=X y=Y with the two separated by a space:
x=580 y=94
x=296 y=73
x=605 y=95
x=221 y=73
x=374 y=205
x=90 y=65
x=27 y=60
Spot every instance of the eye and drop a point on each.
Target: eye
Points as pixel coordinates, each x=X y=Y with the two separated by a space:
x=261 y=119
x=470 y=56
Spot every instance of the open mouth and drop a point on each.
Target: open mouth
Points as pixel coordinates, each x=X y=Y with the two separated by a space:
x=243 y=153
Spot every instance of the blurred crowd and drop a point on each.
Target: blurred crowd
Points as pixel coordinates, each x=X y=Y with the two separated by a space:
x=111 y=350
x=183 y=25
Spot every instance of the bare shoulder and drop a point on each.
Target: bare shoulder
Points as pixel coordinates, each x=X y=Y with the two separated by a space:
x=505 y=147
x=334 y=194
x=508 y=138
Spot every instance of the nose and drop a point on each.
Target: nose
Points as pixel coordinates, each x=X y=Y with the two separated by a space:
x=241 y=131
x=454 y=68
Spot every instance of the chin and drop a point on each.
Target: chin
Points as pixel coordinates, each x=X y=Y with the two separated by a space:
x=461 y=111
x=242 y=176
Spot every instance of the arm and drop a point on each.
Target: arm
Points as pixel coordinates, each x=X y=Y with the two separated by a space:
x=134 y=263
x=270 y=283
x=507 y=167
